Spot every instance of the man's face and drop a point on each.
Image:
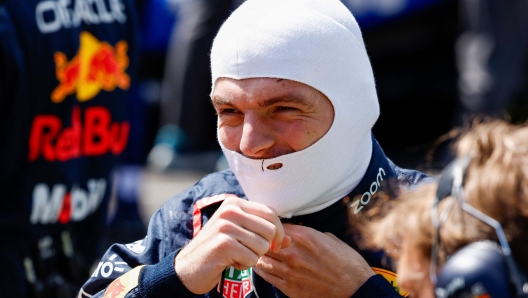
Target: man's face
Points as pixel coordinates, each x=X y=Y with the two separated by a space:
x=263 y=118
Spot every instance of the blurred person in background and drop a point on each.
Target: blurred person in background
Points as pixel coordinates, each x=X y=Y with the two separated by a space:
x=187 y=137
x=457 y=59
x=490 y=50
x=491 y=56
x=296 y=102
x=411 y=47
x=66 y=69
x=453 y=250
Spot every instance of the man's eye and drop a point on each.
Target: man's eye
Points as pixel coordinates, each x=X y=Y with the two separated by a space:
x=286 y=109
x=227 y=112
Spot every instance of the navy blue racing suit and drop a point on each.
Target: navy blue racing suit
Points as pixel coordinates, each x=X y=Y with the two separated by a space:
x=181 y=218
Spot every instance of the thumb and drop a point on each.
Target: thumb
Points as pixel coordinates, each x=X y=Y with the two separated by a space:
x=286 y=241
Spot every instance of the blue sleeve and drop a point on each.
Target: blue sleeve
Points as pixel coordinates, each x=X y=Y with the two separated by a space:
x=374 y=287
x=157 y=281
x=161 y=280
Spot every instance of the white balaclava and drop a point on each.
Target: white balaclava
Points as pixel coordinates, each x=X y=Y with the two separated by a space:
x=317 y=43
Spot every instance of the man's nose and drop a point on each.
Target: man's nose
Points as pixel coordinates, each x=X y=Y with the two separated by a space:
x=257 y=136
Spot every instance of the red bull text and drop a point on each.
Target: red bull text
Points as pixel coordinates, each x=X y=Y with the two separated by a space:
x=96 y=136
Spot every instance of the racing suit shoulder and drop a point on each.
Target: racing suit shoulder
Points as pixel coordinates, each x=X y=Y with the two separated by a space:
x=410 y=178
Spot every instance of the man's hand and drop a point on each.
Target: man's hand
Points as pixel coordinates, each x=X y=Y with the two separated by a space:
x=236 y=235
x=314 y=265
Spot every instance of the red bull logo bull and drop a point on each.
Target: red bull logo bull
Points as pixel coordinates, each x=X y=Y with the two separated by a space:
x=96 y=66
x=114 y=289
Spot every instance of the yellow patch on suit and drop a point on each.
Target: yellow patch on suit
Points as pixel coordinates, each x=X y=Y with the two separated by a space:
x=392 y=278
x=122 y=285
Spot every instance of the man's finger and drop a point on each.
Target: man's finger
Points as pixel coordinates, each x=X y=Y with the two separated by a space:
x=258 y=209
x=255 y=212
x=269 y=266
x=244 y=258
x=259 y=226
x=270 y=215
x=270 y=278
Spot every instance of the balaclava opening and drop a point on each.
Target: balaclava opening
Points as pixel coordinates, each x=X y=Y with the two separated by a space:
x=317 y=43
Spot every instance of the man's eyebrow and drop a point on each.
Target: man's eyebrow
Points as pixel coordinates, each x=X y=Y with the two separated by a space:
x=218 y=100
x=286 y=98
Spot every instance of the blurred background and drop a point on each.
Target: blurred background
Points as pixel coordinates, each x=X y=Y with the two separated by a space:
x=436 y=64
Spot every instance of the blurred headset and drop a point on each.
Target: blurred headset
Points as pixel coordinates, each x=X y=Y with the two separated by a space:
x=481 y=269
